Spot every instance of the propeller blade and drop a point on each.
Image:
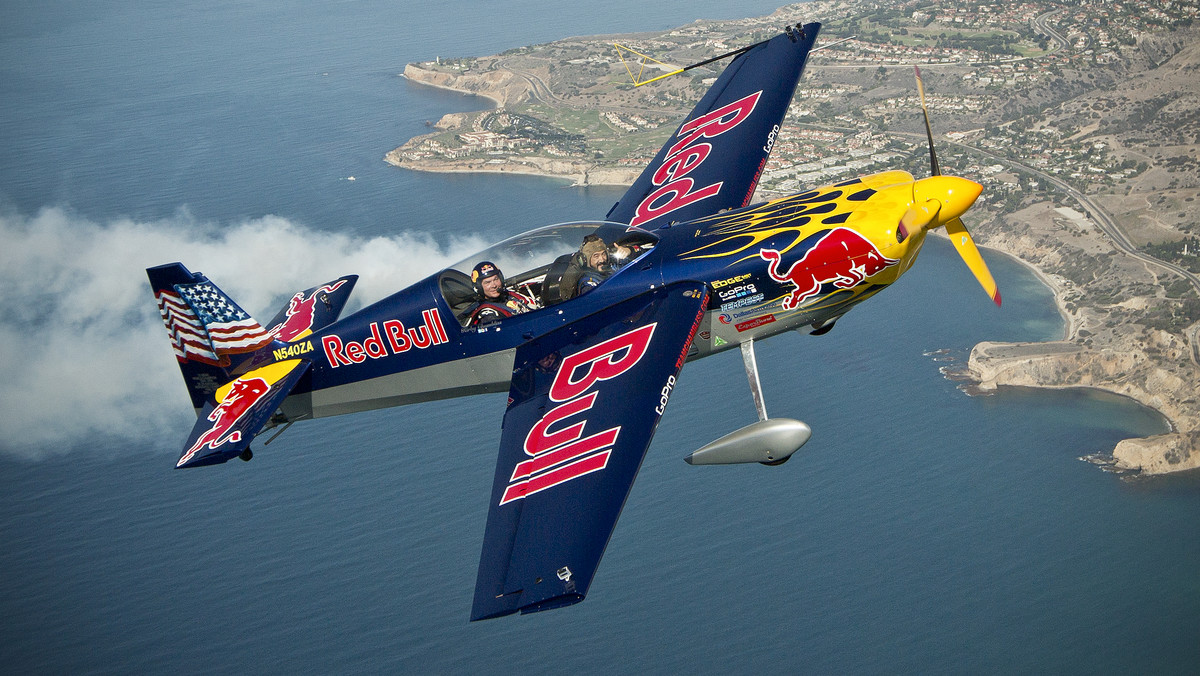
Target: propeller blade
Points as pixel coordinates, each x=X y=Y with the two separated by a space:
x=957 y=195
x=933 y=163
x=918 y=217
x=970 y=254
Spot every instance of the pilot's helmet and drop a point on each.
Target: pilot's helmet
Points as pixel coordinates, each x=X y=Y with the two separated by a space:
x=593 y=244
x=481 y=272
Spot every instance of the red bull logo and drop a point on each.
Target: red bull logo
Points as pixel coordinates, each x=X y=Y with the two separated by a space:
x=389 y=334
x=301 y=313
x=243 y=395
x=841 y=257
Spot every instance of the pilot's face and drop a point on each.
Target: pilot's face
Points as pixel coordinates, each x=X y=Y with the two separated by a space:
x=491 y=286
x=598 y=260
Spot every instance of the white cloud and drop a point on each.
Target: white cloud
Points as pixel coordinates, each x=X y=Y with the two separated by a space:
x=84 y=357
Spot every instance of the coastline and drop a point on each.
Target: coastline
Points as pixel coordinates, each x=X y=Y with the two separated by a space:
x=586 y=175
x=425 y=83
x=1070 y=321
x=1085 y=357
x=1069 y=363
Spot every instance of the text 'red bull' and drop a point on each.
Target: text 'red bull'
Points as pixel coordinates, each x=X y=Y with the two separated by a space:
x=842 y=257
x=243 y=395
x=564 y=454
x=677 y=188
x=391 y=334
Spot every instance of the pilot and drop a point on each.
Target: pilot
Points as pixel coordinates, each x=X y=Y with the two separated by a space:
x=494 y=301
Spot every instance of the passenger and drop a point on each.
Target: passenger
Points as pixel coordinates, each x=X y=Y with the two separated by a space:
x=495 y=301
x=597 y=263
x=593 y=256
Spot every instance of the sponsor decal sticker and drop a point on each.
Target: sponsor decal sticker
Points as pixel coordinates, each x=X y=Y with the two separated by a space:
x=754 y=323
x=731 y=317
x=739 y=291
x=720 y=284
x=665 y=395
x=742 y=302
x=683 y=354
x=771 y=138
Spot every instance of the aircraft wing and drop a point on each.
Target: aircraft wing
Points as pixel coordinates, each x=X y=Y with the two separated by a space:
x=584 y=403
x=715 y=159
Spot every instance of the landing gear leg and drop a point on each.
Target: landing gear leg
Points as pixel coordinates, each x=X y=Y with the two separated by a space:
x=752 y=375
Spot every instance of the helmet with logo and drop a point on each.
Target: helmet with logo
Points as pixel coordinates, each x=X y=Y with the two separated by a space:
x=481 y=272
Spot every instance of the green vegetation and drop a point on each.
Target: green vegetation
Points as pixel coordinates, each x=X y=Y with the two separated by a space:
x=1172 y=252
x=1173 y=316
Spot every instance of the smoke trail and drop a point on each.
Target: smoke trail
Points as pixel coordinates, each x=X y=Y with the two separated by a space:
x=84 y=358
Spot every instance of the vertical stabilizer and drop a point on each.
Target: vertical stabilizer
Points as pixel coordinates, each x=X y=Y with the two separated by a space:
x=207 y=329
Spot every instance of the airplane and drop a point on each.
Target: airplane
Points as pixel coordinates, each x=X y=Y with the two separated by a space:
x=696 y=270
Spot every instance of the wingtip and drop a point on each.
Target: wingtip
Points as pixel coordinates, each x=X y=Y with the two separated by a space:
x=996 y=298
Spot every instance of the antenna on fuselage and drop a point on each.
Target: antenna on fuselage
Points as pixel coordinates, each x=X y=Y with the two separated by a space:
x=793 y=33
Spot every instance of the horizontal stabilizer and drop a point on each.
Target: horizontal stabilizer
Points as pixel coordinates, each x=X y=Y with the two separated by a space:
x=238 y=410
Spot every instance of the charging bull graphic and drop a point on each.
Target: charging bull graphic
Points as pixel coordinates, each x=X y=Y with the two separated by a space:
x=841 y=257
x=301 y=312
x=243 y=395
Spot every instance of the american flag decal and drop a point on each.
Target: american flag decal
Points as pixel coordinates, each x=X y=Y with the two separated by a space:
x=204 y=324
x=188 y=337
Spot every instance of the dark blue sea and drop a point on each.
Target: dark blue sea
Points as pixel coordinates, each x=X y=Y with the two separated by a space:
x=920 y=531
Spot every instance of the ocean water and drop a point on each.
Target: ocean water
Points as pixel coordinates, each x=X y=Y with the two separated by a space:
x=921 y=530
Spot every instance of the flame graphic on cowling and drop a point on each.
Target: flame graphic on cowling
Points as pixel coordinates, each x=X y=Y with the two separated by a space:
x=782 y=222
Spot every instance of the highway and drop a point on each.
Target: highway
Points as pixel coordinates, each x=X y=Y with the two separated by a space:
x=1039 y=24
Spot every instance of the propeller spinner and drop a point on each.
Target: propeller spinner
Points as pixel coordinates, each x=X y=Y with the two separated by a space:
x=941 y=201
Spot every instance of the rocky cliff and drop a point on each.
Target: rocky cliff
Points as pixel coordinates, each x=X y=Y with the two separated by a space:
x=502 y=86
x=1105 y=346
